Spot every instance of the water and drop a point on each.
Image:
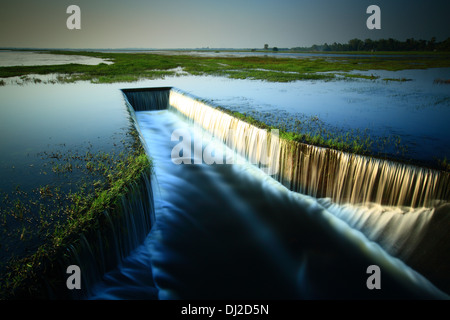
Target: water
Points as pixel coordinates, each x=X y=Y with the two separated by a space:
x=59 y=117
x=30 y=58
x=39 y=123
x=109 y=246
x=231 y=231
x=319 y=172
x=38 y=117
x=218 y=53
x=414 y=111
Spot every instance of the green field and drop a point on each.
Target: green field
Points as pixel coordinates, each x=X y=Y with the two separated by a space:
x=129 y=67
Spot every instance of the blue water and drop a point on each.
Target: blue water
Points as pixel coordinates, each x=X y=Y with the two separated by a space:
x=279 y=54
x=232 y=232
x=42 y=117
x=252 y=212
x=38 y=118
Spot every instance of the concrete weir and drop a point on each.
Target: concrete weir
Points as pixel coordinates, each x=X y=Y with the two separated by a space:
x=316 y=171
x=344 y=210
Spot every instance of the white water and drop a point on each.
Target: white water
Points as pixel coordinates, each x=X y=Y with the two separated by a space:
x=319 y=172
x=232 y=231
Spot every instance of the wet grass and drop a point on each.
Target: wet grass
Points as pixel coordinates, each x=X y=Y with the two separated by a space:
x=129 y=67
x=312 y=131
x=45 y=221
x=444 y=164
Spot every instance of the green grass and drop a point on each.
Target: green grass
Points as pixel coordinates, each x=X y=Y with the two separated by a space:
x=310 y=131
x=351 y=143
x=129 y=67
x=444 y=164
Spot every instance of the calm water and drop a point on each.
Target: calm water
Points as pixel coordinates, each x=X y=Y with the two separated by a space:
x=29 y=58
x=416 y=111
x=218 y=53
x=41 y=117
x=50 y=118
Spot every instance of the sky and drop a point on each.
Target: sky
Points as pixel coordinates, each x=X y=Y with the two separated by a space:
x=173 y=24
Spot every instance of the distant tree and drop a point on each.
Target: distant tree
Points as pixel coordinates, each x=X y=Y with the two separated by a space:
x=432 y=44
x=383 y=45
x=266 y=47
x=444 y=45
x=410 y=44
x=355 y=44
x=368 y=45
x=275 y=49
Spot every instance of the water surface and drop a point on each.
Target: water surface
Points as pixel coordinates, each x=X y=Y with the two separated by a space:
x=31 y=58
x=232 y=232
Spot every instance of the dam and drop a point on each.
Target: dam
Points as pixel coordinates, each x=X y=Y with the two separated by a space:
x=305 y=223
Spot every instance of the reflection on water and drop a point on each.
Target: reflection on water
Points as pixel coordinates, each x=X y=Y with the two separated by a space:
x=414 y=111
x=38 y=118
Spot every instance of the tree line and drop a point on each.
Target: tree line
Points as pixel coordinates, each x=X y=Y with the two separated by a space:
x=382 y=45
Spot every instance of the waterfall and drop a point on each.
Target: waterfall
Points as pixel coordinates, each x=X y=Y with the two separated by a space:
x=316 y=171
x=260 y=147
x=352 y=178
x=121 y=231
x=397 y=205
x=140 y=99
x=312 y=170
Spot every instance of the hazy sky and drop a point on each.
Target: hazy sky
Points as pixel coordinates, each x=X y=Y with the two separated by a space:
x=215 y=24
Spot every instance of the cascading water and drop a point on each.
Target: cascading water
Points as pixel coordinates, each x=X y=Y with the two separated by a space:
x=232 y=231
x=320 y=172
x=121 y=231
x=392 y=203
x=147 y=99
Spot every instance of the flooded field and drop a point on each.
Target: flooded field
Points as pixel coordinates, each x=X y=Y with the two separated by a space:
x=21 y=58
x=403 y=114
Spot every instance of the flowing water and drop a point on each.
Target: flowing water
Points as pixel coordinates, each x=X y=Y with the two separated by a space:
x=303 y=223
x=109 y=246
x=321 y=172
x=233 y=231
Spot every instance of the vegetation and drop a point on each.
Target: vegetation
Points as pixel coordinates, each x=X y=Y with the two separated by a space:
x=52 y=217
x=444 y=164
x=46 y=220
x=312 y=131
x=128 y=67
x=389 y=45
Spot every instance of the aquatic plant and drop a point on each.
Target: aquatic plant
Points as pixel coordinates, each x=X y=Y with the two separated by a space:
x=129 y=67
x=48 y=219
